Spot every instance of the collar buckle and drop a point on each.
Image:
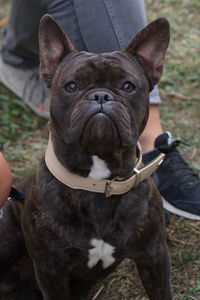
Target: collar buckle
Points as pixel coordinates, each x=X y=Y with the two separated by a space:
x=108 y=188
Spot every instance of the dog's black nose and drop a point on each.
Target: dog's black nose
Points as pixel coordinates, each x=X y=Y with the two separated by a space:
x=100 y=96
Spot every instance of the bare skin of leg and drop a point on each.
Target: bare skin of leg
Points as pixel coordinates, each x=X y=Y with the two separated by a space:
x=5 y=180
x=152 y=129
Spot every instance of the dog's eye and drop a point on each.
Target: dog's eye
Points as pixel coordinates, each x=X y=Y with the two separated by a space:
x=128 y=87
x=70 y=87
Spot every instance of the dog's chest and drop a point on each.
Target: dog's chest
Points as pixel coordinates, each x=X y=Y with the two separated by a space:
x=100 y=250
x=92 y=232
x=92 y=239
x=102 y=242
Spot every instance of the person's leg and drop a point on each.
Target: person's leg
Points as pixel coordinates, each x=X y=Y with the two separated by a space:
x=19 y=59
x=109 y=25
x=5 y=180
x=84 y=21
x=152 y=130
x=20 y=45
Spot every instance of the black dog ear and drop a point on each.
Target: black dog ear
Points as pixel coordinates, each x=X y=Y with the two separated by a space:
x=149 y=46
x=54 y=45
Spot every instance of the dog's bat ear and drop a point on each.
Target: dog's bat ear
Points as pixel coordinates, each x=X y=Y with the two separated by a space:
x=149 y=46
x=54 y=45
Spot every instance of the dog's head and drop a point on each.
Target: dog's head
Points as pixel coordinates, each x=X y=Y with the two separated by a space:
x=100 y=102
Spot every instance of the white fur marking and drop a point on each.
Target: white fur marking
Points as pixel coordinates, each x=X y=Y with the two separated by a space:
x=99 y=169
x=170 y=138
x=101 y=251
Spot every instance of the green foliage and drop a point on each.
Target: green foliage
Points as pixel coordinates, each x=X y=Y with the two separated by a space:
x=17 y=122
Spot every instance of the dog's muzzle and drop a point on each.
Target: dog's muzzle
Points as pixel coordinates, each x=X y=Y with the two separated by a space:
x=100 y=117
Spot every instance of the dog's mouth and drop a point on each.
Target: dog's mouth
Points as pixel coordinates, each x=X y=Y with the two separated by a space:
x=100 y=128
x=95 y=125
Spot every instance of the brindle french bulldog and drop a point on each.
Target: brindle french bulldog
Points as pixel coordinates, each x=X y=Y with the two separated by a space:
x=99 y=108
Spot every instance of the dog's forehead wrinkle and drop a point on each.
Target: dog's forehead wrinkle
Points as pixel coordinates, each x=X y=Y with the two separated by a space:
x=98 y=67
x=107 y=65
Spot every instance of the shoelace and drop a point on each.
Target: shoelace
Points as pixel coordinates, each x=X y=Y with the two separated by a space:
x=178 y=166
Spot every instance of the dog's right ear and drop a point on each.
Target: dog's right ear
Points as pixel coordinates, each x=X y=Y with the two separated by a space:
x=54 y=45
x=150 y=46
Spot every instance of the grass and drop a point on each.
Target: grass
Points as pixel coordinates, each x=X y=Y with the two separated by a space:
x=22 y=134
x=24 y=138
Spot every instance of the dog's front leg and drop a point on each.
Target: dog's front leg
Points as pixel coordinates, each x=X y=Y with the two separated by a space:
x=155 y=274
x=53 y=285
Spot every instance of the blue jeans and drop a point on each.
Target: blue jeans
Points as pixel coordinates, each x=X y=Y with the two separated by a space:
x=92 y=25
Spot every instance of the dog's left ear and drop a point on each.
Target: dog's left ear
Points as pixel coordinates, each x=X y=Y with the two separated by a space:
x=149 y=46
x=54 y=46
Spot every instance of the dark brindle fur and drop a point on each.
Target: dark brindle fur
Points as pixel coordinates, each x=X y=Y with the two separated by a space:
x=58 y=223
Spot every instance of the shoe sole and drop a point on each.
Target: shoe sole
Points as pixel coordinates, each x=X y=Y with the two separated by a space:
x=44 y=114
x=179 y=212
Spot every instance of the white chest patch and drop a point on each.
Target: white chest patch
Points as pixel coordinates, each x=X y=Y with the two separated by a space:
x=99 y=169
x=101 y=251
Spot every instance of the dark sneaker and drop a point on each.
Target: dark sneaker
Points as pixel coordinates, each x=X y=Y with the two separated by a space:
x=26 y=84
x=178 y=184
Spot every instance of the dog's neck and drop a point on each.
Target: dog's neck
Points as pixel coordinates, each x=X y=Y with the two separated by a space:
x=99 y=165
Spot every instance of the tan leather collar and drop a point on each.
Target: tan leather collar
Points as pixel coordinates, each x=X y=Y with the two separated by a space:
x=109 y=187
